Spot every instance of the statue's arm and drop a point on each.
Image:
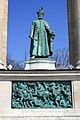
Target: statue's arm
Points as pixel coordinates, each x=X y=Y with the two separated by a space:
x=47 y=26
x=51 y=34
x=32 y=31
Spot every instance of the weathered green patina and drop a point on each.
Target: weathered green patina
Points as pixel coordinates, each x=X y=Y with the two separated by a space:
x=41 y=37
x=41 y=95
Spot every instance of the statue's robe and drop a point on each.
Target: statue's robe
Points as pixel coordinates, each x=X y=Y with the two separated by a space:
x=41 y=42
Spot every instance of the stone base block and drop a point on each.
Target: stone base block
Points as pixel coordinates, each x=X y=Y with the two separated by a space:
x=78 y=65
x=2 y=67
x=40 y=65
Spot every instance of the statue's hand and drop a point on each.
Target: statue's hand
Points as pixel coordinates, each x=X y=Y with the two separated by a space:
x=31 y=37
x=52 y=35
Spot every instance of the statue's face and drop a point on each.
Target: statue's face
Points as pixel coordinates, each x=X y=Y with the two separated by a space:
x=40 y=15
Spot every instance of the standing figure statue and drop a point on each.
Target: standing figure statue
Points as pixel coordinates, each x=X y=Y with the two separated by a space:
x=41 y=37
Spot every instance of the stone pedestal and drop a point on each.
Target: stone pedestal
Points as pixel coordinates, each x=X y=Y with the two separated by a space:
x=40 y=64
x=8 y=113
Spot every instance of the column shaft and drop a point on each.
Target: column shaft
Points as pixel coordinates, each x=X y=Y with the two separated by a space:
x=3 y=29
x=74 y=31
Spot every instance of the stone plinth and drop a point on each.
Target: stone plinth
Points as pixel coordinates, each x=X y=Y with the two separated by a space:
x=39 y=65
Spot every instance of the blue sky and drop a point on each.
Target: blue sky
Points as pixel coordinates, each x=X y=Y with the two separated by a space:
x=20 y=16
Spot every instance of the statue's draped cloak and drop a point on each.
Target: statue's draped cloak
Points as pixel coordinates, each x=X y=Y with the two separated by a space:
x=41 y=42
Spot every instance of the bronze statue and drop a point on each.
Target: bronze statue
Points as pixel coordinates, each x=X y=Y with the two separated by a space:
x=41 y=37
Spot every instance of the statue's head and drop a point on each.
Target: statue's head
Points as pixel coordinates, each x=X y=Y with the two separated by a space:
x=40 y=13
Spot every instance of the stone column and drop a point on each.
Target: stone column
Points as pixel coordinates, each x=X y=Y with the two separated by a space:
x=3 y=32
x=74 y=31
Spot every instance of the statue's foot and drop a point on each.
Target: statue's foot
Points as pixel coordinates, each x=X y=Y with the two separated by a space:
x=33 y=57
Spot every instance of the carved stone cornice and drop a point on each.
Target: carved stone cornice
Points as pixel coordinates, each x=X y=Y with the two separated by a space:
x=41 y=75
